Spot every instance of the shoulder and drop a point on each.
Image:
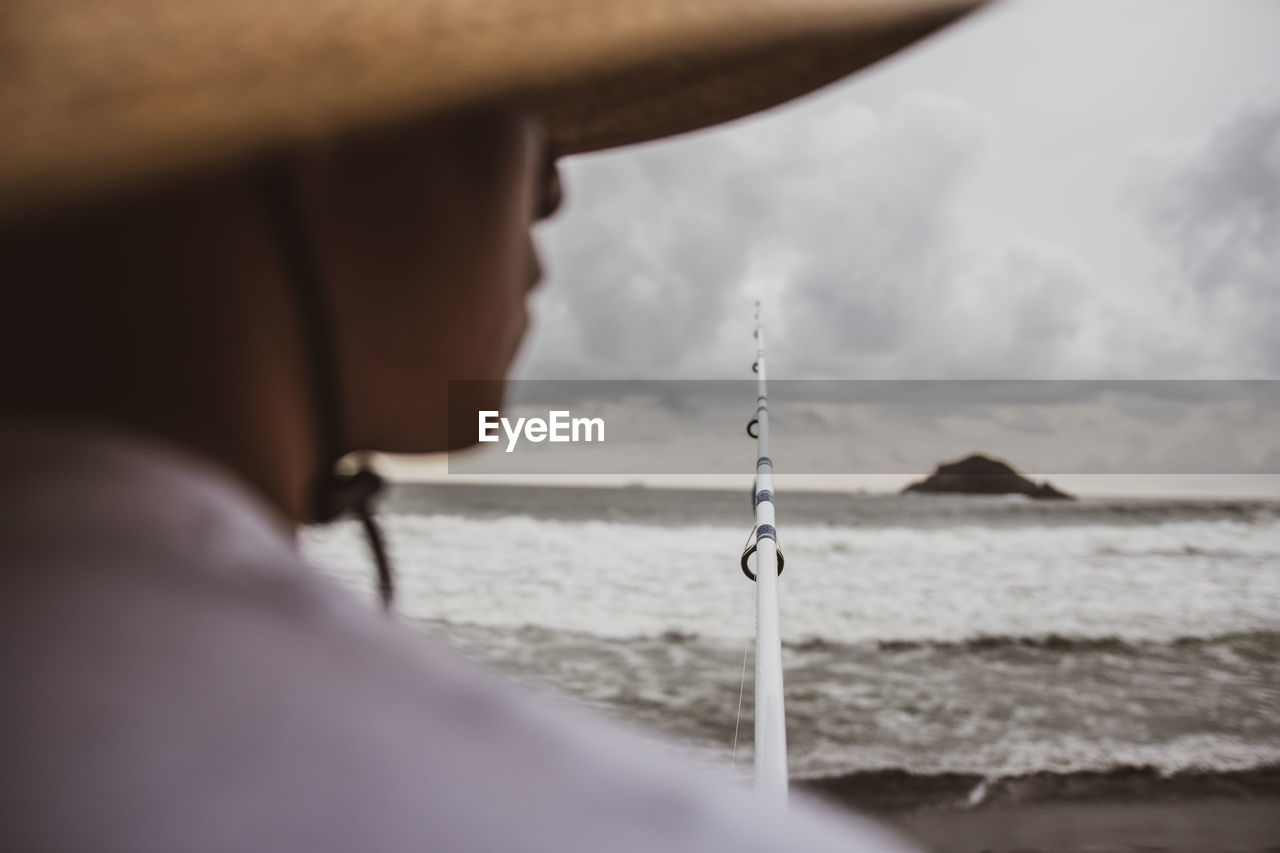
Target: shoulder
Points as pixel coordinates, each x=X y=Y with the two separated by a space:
x=197 y=686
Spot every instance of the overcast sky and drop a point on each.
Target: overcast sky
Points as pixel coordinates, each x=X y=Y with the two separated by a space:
x=1053 y=188
x=1075 y=189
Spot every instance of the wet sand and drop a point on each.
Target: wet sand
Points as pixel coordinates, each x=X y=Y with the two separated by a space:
x=1217 y=825
x=1124 y=809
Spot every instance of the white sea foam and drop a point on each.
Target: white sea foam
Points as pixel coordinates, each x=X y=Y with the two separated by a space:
x=562 y=602
x=1137 y=582
x=1036 y=751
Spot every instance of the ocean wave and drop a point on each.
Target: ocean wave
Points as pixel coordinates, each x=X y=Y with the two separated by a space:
x=849 y=585
x=681 y=507
x=1175 y=553
x=896 y=789
x=1262 y=640
x=1006 y=706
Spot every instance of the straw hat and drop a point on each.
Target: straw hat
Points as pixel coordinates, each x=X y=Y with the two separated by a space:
x=99 y=94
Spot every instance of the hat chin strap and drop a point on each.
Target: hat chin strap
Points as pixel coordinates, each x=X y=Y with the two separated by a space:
x=333 y=494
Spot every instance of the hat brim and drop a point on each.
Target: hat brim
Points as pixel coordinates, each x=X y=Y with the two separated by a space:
x=102 y=94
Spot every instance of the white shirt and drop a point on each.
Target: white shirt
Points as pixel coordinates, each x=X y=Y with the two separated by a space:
x=177 y=678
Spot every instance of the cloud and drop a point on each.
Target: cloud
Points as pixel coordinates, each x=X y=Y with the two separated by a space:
x=850 y=223
x=649 y=249
x=848 y=212
x=1213 y=202
x=879 y=234
x=857 y=228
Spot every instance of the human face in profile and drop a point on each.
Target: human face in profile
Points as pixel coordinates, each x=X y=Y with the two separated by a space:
x=423 y=234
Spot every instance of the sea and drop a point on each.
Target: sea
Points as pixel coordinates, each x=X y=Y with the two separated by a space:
x=925 y=637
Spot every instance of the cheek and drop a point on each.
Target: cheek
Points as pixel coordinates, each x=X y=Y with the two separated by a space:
x=489 y=315
x=483 y=308
x=448 y=298
x=427 y=264
x=466 y=401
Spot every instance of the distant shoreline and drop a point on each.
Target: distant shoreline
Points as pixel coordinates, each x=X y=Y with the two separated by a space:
x=1091 y=487
x=798 y=508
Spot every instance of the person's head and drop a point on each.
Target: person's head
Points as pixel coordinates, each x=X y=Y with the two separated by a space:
x=276 y=238
x=176 y=309
x=422 y=238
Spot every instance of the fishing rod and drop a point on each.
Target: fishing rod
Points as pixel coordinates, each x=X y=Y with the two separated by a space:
x=770 y=715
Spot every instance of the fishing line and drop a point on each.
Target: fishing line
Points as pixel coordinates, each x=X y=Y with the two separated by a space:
x=742 y=684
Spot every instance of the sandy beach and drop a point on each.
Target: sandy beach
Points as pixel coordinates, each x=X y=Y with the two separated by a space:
x=1213 y=824
x=1132 y=810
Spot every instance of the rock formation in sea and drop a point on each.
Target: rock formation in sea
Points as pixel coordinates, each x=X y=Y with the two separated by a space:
x=982 y=475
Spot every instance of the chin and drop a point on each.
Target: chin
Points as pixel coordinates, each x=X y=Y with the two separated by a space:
x=467 y=399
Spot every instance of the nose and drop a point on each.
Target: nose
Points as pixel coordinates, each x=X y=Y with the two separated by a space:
x=552 y=190
x=533 y=264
